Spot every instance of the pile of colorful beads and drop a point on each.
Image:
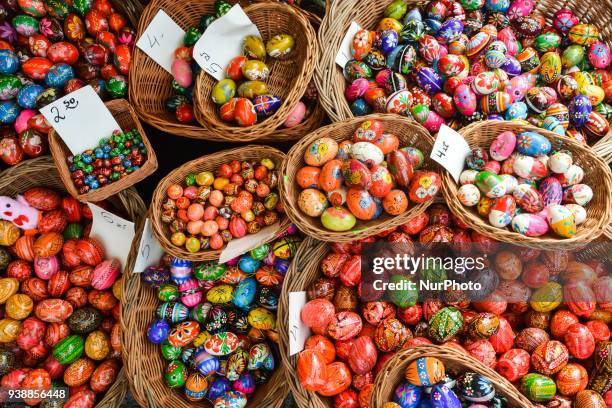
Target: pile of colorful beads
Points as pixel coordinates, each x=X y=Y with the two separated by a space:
x=464 y=61
x=538 y=189
x=254 y=100
x=217 y=323
x=427 y=380
x=354 y=173
x=48 y=49
x=208 y=211
x=114 y=158
x=59 y=300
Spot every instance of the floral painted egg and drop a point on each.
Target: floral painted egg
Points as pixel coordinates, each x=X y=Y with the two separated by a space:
x=551 y=191
x=475 y=387
x=580 y=194
x=357 y=174
x=502 y=211
x=429 y=80
x=484 y=325
x=176 y=374
x=579 y=341
x=583 y=34
x=549 y=357
x=579 y=212
x=97 y=345
x=312 y=202
x=518 y=110
x=550 y=67
x=320 y=151
x=356 y=89
x=361 y=204
x=266 y=105
x=258 y=355
x=221 y=344
x=429 y=48
x=529 y=225
x=53 y=310
x=528 y=198
x=399 y=102
x=485 y=83
x=564 y=19
x=425 y=371
x=362 y=44
x=230 y=399
x=520 y=8
x=445 y=324
x=465 y=100
x=468 y=195
x=529 y=167
x=561 y=221
x=220 y=294
x=424 y=186
x=511 y=66
x=597 y=125
x=451 y=65
x=206 y=363
x=442 y=396
x=84 y=320
x=468 y=176
x=357 y=69
x=183 y=333
x=502 y=146
x=387 y=41
x=158 y=331
x=599 y=55
x=490 y=184
x=407 y=395
x=579 y=109
x=547 y=41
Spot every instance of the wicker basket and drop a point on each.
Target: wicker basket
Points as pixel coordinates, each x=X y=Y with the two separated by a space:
x=288 y=80
x=144 y=363
x=131 y=9
x=42 y=172
x=597 y=175
x=409 y=133
x=126 y=117
x=204 y=163
x=393 y=372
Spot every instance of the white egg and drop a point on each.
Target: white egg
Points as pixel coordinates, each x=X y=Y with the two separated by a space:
x=499 y=218
x=468 y=176
x=468 y=195
x=580 y=194
x=578 y=211
x=364 y=151
x=560 y=162
x=529 y=225
x=573 y=175
x=510 y=181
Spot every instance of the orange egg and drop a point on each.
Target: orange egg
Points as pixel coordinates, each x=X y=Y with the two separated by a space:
x=387 y=143
x=174 y=191
x=361 y=204
x=79 y=372
x=308 y=177
x=195 y=212
x=48 y=244
x=396 y=202
x=331 y=175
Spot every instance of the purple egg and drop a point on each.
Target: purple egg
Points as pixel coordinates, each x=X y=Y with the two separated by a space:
x=156 y=276
x=387 y=40
x=429 y=80
x=219 y=387
x=407 y=395
x=245 y=384
x=579 y=110
x=552 y=192
x=444 y=397
x=158 y=331
x=495 y=116
x=451 y=29
x=266 y=105
x=512 y=67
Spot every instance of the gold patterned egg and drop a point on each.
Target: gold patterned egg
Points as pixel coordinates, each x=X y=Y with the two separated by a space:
x=251 y=89
x=19 y=306
x=8 y=287
x=220 y=294
x=280 y=45
x=262 y=319
x=97 y=345
x=117 y=289
x=9 y=233
x=253 y=47
x=79 y=372
x=8 y=330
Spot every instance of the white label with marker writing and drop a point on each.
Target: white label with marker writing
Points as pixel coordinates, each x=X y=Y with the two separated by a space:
x=222 y=41
x=115 y=233
x=149 y=250
x=160 y=39
x=344 y=53
x=298 y=331
x=450 y=150
x=81 y=119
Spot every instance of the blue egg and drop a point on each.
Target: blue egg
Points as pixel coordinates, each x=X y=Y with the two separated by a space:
x=9 y=63
x=158 y=331
x=497 y=5
x=451 y=29
x=206 y=363
x=532 y=144
x=393 y=57
x=551 y=123
x=518 y=110
x=248 y=265
x=429 y=80
x=58 y=75
x=579 y=110
x=180 y=270
x=266 y=105
x=244 y=294
x=433 y=25
x=387 y=41
x=413 y=15
x=282 y=265
x=443 y=397
x=9 y=110
x=360 y=107
x=268 y=363
x=230 y=399
x=475 y=387
x=407 y=395
x=218 y=387
x=511 y=66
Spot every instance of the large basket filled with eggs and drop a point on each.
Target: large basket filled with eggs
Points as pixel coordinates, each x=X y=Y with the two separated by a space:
x=359 y=177
x=459 y=62
x=443 y=376
x=204 y=334
x=198 y=208
x=50 y=49
x=166 y=101
x=60 y=295
x=525 y=185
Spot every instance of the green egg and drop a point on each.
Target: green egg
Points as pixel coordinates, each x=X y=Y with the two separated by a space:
x=223 y=91
x=82 y=6
x=167 y=292
x=445 y=324
x=221 y=8
x=176 y=374
x=538 y=387
x=170 y=352
x=547 y=42
x=9 y=86
x=396 y=9
x=192 y=36
x=251 y=89
x=253 y=47
x=404 y=293
x=280 y=45
x=486 y=181
x=338 y=219
x=572 y=56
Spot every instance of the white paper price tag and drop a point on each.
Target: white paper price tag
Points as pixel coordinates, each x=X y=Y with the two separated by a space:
x=237 y=247
x=115 y=233
x=344 y=53
x=81 y=119
x=222 y=41
x=149 y=250
x=450 y=150
x=160 y=39
x=298 y=331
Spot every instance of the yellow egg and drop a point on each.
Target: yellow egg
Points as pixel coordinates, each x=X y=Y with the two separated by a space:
x=8 y=287
x=595 y=94
x=8 y=330
x=19 y=306
x=97 y=345
x=547 y=297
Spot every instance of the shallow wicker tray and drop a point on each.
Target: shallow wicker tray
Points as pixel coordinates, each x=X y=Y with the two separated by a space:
x=597 y=175
x=42 y=172
x=205 y=163
x=393 y=372
x=409 y=133
x=125 y=115
x=143 y=361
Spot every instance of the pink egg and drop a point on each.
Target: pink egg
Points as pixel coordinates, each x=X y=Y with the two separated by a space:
x=503 y=146
x=21 y=123
x=465 y=100
x=209 y=228
x=195 y=212
x=296 y=116
x=45 y=268
x=181 y=71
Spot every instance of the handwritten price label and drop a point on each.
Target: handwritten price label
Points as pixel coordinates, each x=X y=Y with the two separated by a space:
x=76 y=112
x=160 y=39
x=298 y=331
x=344 y=53
x=149 y=250
x=450 y=150
x=115 y=233
x=222 y=41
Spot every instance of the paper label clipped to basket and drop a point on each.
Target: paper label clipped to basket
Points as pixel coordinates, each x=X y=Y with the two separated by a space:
x=160 y=39
x=115 y=233
x=298 y=331
x=237 y=247
x=450 y=150
x=222 y=41
x=344 y=53
x=81 y=119
x=149 y=249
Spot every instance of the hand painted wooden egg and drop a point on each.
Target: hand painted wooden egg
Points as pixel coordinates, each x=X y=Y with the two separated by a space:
x=550 y=67
x=266 y=105
x=320 y=151
x=387 y=41
x=425 y=371
x=529 y=225
x=579 y=109
x=45 y=268
x=502 y=146
x=362 y=43
x=485 y=83
x=97 y=345
x=450 y=29
x=445 y=324
x=549 y=357
x=529 y=168
x=502 y=211
x=578 y=211
x=528 y=198
x=361 y=204
x=356 y=174
x=357 y=69
x=424 y=186
x=407 y=395
x=363 y=355
x=69 y=349
x=597 y=125
x=572 y=56
x=429 y=80
x=490 y=184
x=468 y=195
x=496 y=102
x=484 y=325
x=356 y=89
x=580 y=194
x=510 y=181
x=312 y=202
x=468 y=176
x=475 y=387
x=583 y=34
x=572 y=379
x=538 y=388
x=176 y=374
x=365 y=151
x=206 y=363
x=245 y=114
x=477 y=43
x=580 y=341
x=399 y=102
x=84 y=320
x=561 y=221
x=221 y=344
x=599 y=55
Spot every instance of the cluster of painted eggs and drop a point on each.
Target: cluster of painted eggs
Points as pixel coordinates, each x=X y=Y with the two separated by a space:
x=522 y=183
x=362 y=177
x=463 y=61
x=216 y=324
x=210 y=209
x=59 y=302
x=48 y=49
x=427 y=381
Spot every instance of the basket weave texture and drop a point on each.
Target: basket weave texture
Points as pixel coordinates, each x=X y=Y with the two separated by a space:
x=144 y=363
x=597 y=175
x=393 y=372
x=409 y=133
x=125 y=115
x=42 y=172
x=205 y=163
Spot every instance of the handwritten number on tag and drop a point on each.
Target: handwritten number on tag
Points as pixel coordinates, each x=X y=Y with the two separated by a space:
x=146 y=251
x=443 y=149
x=212 y=67
x=153 y=40
x=71 y=103
x=109 y=218
x=57 y=116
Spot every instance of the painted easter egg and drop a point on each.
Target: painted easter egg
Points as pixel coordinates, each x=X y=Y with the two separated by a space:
x=564 y=19
x=361 y=204
x=465 y=100
x=518 y=110
x=443 y=396
x=475 y=387
x=579 y=110
x=529 y=225
x=53 y=310
x=424 y=186
x=502 y=146
x=551 y=191
x=175 y=374
x=490 y=184
x=583 y=34
x=320 y=151
x=502 y=211
x=356 y=174
x=206 y=363
x=312 y=202
x=477 y=43
x=496 y=102
x=445 y=324
x=561 y=220
x=407 y=395
x=266 y=105
x=468 y=195
x=399 y=102
x=529 y=167
x=365 y=151
x=280 y=45
x=599 y=55
x=357 y=69
x=244 y=111
x=387 y=41
x=221 y=344
x=579 y=212
x=255 y=70
x=597 y=125
x=425 y=371
x=84 y=320
x=528 y=198
x=485 y=83
x=69 y=349
x=580 y=194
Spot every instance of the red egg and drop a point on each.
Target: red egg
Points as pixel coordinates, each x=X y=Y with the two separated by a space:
x=346 y=399
x=311 y=370
x=36 y=68
x=58 y=284
x=63 y=52
x=363 y=354
x=56 y=332
x=344 y=325
x=560 y=322
x=483 y=351
x=122 y=58
x=572 y=379
x=416 y=224
x=90 y=251
x=30 y=333
x=234 y=68
x=579 y=341
x=323 y=345
x=503 y=339
x=338 y=379
x=95 y=22
x=37 y=379
x=317 y=313
x=35 y=288
x=38 y=45
x=599 y=330
x=513 y=364
x=549 y=357
x=104 y=376
x=11 y=152
x=244 y=112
